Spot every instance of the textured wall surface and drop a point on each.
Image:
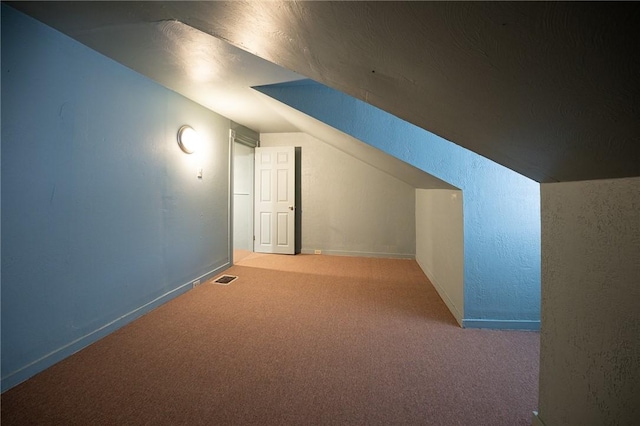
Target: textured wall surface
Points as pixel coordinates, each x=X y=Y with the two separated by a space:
x=103 y=216
x=348 y=206
x=590 y=340
x=440 y=244
x=548 y=89
x=501 y=208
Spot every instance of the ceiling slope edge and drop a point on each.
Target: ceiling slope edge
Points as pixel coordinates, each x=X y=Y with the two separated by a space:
x=362 y=151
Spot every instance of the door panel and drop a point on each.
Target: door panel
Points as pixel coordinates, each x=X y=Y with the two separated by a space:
x=283 y=185
x=275 y=205
x=265 y=186
x=265 y=229
x=283 y=227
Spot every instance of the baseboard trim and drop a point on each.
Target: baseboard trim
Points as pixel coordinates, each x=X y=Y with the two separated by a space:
x=443 y=294
x=24 y=373
x=536 y=420
x=361 y=254
x=530 y=325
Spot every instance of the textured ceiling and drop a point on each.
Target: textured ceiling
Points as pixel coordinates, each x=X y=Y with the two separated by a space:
x=548 y=89
x=200 y=67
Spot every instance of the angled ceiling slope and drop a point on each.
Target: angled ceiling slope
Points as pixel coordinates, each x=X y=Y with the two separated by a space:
x=220 y=77
x=200 y=67
x=549 y=90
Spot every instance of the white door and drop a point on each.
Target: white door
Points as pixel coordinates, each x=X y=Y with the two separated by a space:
x=275 y=200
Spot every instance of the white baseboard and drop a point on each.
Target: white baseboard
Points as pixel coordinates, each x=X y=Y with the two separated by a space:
x=362 y=254
x=530 y=325
x=16 y=377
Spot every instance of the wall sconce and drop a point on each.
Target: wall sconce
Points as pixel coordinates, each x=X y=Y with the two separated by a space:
x=188 y=139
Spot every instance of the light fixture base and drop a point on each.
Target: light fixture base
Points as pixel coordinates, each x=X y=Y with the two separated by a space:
x=187 y=139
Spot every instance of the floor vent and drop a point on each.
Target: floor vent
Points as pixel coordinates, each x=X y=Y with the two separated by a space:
x=225 y=279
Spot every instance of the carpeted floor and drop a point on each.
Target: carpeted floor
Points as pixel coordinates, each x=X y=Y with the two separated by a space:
x=295 y=340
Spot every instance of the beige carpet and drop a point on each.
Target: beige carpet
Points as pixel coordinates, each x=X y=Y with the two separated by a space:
x=295 y=340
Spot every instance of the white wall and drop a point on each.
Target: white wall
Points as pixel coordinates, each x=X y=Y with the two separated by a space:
x=590 y=339
x=440 y=245
x=348 y=206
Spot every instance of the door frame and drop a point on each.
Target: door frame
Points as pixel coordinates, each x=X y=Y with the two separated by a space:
x=244 y=136
x=230 y=211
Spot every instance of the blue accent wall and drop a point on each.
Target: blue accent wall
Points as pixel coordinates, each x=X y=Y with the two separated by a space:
x=501 y=208
x=103 y=217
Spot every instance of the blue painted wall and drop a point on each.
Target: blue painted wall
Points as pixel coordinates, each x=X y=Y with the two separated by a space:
x=501 y=208
x=103 y=217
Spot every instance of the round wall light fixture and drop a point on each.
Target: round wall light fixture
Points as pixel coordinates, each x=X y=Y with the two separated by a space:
x=188 y=139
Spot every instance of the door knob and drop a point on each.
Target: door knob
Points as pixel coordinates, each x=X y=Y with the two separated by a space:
x=291 y=207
